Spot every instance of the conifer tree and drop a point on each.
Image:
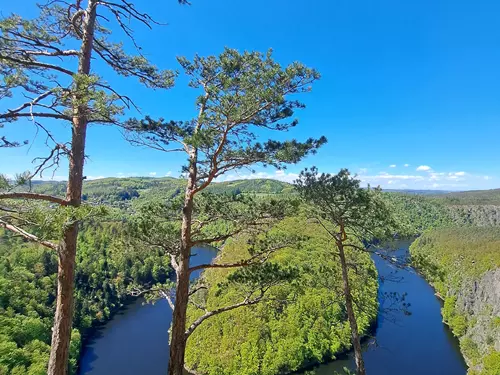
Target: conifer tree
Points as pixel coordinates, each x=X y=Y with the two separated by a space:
x=45 y=65
x=241 y=96
x=352 y=216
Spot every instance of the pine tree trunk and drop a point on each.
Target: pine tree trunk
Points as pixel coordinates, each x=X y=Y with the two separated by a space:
x=178 y=335
x=178 y=331
x=356 y=342
x=63 y=319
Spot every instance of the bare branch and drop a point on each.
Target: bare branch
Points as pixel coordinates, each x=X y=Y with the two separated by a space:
x=173 y=262
x=246 y=302
x=197 y=289
x=70 y=52
x=28 y=236
x=168 y=298
x=35 y=196
x=260 y=257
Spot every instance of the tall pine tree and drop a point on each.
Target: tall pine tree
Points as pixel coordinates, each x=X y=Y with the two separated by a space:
x=241 y=96
x=45 y=64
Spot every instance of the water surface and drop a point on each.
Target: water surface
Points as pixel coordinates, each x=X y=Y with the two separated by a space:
x=135 y=341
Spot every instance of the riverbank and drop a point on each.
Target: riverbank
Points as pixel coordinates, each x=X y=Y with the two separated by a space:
x=463 y=264
x=137 y=340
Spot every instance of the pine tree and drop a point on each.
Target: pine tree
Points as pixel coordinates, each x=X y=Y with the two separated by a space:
x=351 y=215
x=241 y=95
x=47 y=62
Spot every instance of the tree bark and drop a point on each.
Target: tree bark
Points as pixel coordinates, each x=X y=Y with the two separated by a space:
x=356 y=342
x=61 y=331
x=178 y=332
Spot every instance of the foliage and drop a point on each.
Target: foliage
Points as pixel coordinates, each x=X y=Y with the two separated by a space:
x=342 y=203
x=476 y=197
x=460 y=252
x=416 y=213
x=300 y=322
x=451 y=258
x=106 y=267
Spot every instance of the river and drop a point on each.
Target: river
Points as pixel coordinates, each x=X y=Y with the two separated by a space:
x=135 y=341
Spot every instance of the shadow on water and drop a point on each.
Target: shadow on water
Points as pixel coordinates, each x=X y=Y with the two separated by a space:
x=136 y=340
x=412 y=344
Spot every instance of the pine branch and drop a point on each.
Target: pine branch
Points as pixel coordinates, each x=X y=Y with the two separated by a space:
x=36 y=64
x=58 y=116
x=28 y=236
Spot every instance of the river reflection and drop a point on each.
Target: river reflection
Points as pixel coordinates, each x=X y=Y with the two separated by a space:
x=135 y=341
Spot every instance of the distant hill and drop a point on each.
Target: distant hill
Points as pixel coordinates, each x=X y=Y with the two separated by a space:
x=417 y=192
x=473 y=197
x=112 y=189
x=115 y=190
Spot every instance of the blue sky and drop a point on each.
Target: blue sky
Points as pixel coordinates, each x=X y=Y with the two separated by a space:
x=409 y=95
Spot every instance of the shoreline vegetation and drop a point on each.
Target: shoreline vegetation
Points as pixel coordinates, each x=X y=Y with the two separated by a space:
x=106 y=261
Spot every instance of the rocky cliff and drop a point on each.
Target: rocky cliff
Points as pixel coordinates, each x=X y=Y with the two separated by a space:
x=463 y=265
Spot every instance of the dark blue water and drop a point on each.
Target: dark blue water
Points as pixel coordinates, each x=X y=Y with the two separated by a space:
x=415 y=344
x=136 y=340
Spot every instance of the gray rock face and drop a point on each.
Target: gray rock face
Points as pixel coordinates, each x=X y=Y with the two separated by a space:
x=480 y=301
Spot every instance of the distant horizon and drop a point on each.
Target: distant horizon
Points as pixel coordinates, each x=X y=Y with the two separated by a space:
x=408 y=96
x=259 y=178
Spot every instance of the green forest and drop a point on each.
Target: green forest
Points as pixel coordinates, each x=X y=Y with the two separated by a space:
x=293 y=328
x=96 y=88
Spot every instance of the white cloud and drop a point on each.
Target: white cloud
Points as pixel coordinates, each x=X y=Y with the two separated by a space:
x=457 y=173
x=392 y=166
x=424 y=168
x=362 y=170
x=406 y=165
x=95 y=177
x=51 y=178
x=168 y=174
x=152 y=174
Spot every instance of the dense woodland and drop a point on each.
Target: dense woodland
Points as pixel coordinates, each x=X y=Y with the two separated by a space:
x=109 y=265
x=293 y=283
x=454 y=260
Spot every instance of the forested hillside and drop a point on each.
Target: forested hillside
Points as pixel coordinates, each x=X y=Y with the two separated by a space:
x=301 y=323
x=105 y=268
x=463 y=264
x=278 y=337
x=118 y=192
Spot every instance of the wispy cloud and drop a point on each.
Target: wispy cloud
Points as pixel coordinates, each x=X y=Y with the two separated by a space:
x=406 y=165
x=424 y=168
x=392 y=166
x=152 y=174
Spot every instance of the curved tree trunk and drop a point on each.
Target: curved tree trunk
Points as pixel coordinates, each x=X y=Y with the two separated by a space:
x=61 y=331
x=356 y=342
